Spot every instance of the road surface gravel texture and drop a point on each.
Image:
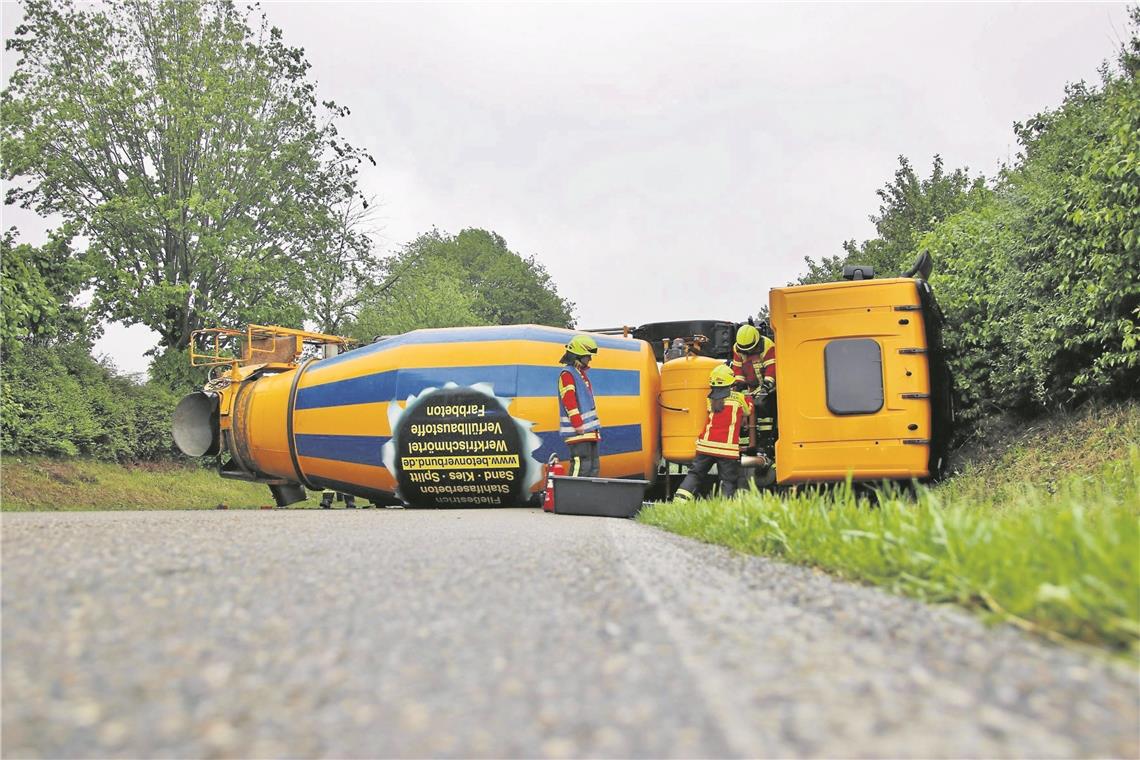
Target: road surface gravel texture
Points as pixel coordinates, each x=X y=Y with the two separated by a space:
x=501 y=633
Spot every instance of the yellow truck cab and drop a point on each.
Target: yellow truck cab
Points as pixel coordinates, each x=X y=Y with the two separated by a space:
x=863 y=390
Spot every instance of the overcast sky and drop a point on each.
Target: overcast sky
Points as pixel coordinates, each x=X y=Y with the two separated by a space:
x=671 y=161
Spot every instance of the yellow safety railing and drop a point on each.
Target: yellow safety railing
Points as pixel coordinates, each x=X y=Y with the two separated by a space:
x=258 y=344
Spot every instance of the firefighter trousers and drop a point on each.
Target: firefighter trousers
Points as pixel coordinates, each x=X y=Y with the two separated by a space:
x=584 y=462
x=728 y=469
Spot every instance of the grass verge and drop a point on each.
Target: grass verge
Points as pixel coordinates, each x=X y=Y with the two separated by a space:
x=1008 y=456
x=34 y=483
x=1062 y=561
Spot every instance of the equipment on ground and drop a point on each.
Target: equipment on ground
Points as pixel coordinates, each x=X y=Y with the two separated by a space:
x=555 y=467
x=598 y=497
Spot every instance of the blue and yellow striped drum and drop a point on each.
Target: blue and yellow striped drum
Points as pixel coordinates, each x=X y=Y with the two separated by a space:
x=447 y=417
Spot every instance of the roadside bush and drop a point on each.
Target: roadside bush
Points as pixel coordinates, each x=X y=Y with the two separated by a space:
x=1041 y=278
x=1037 y=269
x=58 y=401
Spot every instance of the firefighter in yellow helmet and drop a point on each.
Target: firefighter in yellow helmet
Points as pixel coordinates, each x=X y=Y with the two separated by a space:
x=754 y=367
x=579 y=427
x=719 y=444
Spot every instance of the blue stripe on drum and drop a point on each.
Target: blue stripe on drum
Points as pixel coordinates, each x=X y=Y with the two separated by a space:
x=358 y=449
x=508 y=381
x=365 y=449
x=536 y=333
x=617 y=439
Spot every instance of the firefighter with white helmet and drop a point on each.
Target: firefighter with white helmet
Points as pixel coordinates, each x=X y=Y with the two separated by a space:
x=719 y=444
x=579 y=427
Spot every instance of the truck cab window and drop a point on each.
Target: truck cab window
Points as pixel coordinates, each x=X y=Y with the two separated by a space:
x=854 y=368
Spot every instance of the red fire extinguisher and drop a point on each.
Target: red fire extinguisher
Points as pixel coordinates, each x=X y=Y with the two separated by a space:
x=553 y=467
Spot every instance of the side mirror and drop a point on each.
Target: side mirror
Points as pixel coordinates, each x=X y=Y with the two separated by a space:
x=922 y=268
x=858 y=272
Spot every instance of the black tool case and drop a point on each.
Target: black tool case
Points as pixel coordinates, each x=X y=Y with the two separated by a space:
x=600 y=497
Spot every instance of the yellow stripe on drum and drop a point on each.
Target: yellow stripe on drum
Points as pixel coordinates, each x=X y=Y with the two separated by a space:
x=365 y=475
x=355 y=419
x=470 y=354
x=651 y=411
x=623 y=465
x=546 y=412
x=262 y=424
x=542 y=411
x=621 y=410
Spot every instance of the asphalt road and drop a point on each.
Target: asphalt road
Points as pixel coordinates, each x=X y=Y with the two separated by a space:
x=500 y=633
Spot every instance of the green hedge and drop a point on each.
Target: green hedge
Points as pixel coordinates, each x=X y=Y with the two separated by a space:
x=1037 y=268
x=1040 y=279
x=58 y=401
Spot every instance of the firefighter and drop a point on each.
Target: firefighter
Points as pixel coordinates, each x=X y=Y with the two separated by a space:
x=580 y=428
x=328 y=497
x=719 y=444
x=754 y=367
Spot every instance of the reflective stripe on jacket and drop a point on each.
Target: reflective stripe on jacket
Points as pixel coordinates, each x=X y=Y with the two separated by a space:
x=721 y=437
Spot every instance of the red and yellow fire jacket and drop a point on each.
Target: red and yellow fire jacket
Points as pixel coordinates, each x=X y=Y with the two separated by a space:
x=586 y=419
x=756 y=365
x=722 y=432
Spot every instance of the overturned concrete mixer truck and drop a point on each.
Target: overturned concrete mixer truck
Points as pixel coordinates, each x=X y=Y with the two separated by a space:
x=469 y=416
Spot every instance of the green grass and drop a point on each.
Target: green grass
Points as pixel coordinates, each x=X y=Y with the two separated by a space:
x=1008 y=457
x=36 y=483
x=1062 y=561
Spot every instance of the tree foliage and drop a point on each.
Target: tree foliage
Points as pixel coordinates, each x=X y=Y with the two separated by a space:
x=909 y=208
x=472 y=278
x=185 y=142
x=344 y=271
x=37 y=285
x=426 y=295
x=1037 y=271
x=507 y=288
x=1042 y=281
x=58 y=401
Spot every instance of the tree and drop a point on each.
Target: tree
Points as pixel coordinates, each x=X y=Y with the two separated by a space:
x=37 y=285
x=507 y=288
x=909 y=208
x=1038 y=273
x=425 y=295
x=472 y=278
x=1107 y=212
x=344 y=271
x=1040 y=278
x=185 y=142
x=57 y=401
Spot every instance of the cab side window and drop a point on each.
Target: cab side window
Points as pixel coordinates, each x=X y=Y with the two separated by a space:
x=854 y=368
